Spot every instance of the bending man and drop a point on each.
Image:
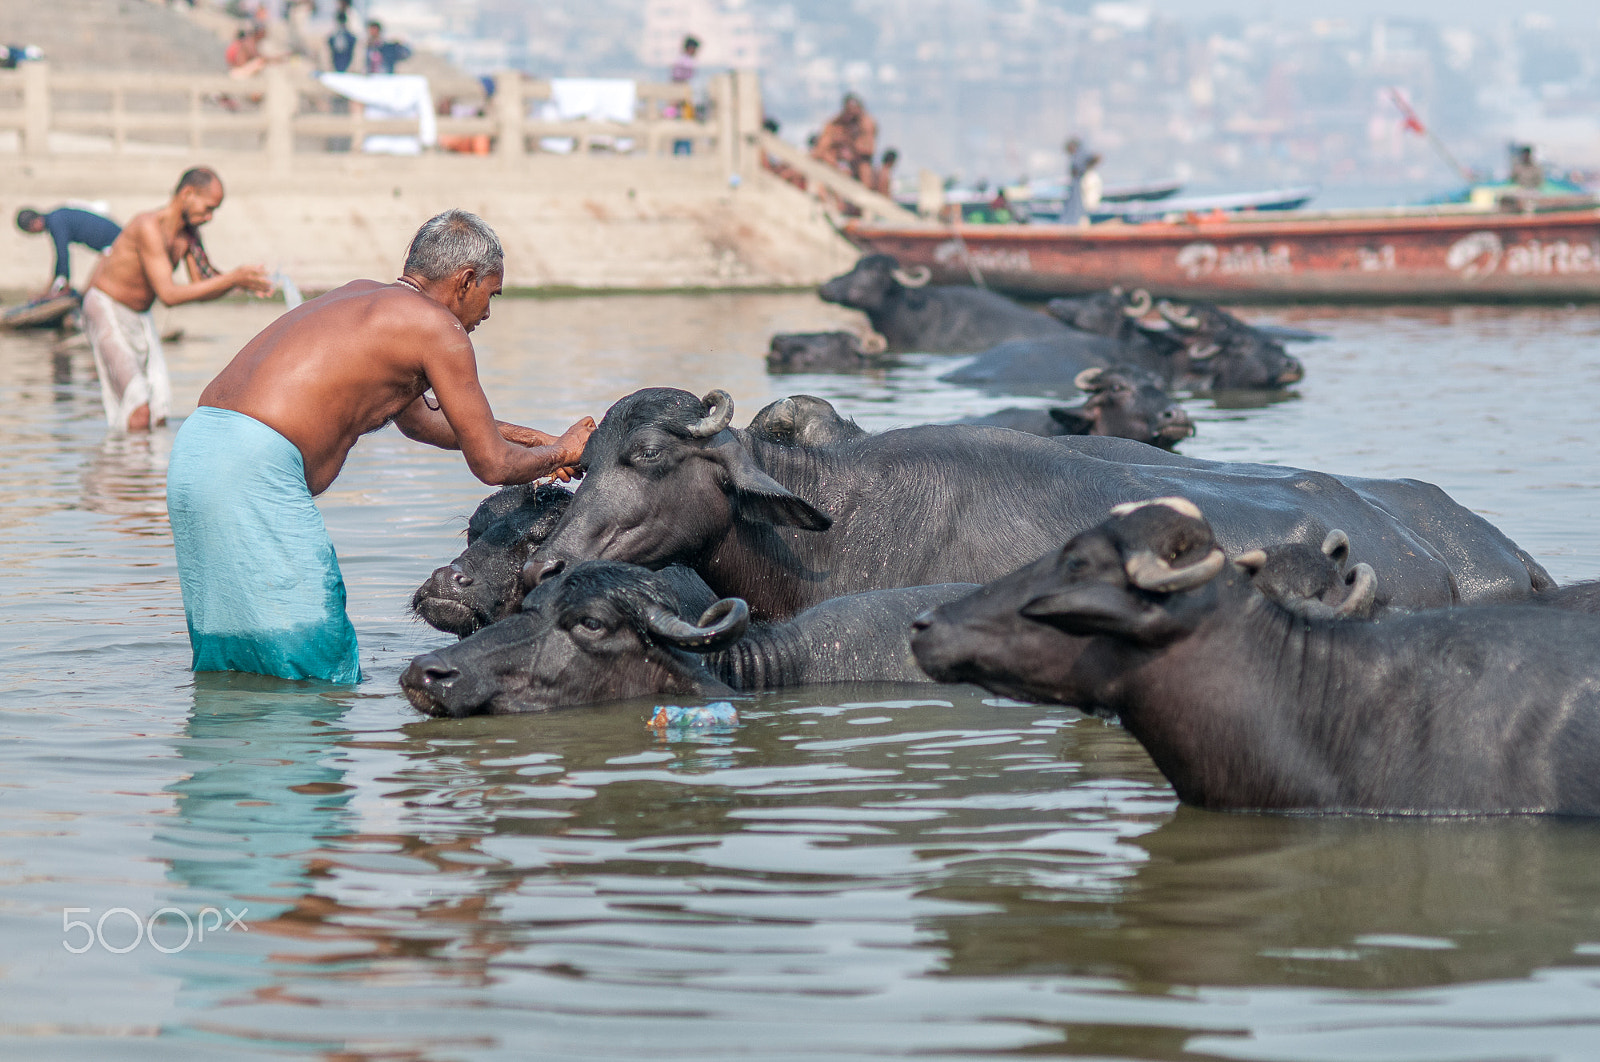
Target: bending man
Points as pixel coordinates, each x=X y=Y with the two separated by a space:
x=68 y=225
x=137 y=271
x=261 y=585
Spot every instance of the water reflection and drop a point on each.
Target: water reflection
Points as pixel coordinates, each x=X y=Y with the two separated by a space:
x=848 y=874
x=1351 y=903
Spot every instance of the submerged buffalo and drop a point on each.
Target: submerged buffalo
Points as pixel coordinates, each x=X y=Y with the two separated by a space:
x=788 y=526
x=1244 y=704
x=1122 y=403
x=912 y=316
x=604 y=631
x=482 y=584
x=826 y=352
x=1201 y=349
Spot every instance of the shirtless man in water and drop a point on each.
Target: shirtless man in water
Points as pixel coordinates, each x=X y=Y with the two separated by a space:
x=261 y=585
x=133 y=274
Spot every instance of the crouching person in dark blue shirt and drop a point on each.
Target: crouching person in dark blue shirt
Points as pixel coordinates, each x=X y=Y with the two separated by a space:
x=67 y=226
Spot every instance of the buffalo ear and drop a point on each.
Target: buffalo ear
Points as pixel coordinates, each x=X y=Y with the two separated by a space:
x=1075 y=420
x=760 y=497
x=1087 y=609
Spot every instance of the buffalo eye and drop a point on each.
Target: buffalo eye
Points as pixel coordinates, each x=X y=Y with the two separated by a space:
x=1076 y=565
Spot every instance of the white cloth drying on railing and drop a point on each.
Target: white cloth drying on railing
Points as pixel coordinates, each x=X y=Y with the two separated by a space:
x=597 y=99
x=594 y=99
x=390 y=96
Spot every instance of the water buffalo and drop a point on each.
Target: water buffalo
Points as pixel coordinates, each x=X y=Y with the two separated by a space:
x=788 y=526
x=1202 y=349
x=1314 y=580
x=935 y=320
x=604 y=631
x=1244 y=704
x=1575 y=597
x=481 y=585
x=1125 y=403
x=803 y=420
x=826 y=352
x=1222 y=353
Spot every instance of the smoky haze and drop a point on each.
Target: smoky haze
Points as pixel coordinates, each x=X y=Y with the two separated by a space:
x=1217 y=94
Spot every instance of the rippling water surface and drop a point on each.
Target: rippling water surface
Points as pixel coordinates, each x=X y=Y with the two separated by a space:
x=850 y=873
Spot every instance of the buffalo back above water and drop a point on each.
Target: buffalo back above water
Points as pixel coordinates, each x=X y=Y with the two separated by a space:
x=933 y=319
x=785 y=527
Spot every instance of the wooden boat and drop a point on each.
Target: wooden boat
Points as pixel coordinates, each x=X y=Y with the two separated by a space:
x=46 y=312
x=1442 y=252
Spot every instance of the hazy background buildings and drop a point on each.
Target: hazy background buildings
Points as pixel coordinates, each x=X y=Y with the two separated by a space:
x=1220 y=94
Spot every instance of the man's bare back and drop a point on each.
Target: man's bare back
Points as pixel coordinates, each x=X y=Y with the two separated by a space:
x=138 y=267
x=345 y=363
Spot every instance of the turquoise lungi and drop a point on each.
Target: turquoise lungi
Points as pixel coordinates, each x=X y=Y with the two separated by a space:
x=261 y=585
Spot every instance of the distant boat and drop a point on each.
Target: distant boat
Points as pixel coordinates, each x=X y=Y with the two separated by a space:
x=1152 y=201
x=1454 y=252
x=1271 y=199
x=48 y=311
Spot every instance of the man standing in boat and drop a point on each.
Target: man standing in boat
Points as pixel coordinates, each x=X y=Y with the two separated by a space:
x=137 y=271
x=262 y=591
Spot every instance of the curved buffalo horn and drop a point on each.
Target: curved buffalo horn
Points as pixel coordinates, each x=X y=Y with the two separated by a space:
x=720 y=626
x=1087 y=379
x=1363 y=591
x=1149 y=572
x=1138 y=303
x=873 y=343
x=1181 y=506
x=915 y=277
x=780 y=418
x=1252 y=561
x=719 y=414
x=1336 y=545
x=1202 y=353
x=1177 y=315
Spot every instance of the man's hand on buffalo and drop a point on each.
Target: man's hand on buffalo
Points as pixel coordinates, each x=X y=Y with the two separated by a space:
x=571 y=441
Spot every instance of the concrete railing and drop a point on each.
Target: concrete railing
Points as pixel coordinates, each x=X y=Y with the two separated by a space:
x=285 y=114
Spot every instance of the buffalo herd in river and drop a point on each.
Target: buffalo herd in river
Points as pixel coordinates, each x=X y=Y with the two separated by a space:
x=1276 y=638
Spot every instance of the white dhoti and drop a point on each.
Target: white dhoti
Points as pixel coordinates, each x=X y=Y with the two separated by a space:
x=127 y=355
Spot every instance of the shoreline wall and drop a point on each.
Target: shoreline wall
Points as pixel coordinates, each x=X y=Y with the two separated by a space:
x=569 y=223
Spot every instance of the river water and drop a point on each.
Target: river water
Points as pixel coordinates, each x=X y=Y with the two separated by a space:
x=850 y=873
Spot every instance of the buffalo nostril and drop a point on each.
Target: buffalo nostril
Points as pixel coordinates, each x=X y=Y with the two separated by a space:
x=461 y=578
x=538 y=571
x=438 y=675
x=922 y=622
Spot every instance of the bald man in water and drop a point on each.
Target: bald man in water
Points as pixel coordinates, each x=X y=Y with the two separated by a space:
x=261 y=585
x=133 y=274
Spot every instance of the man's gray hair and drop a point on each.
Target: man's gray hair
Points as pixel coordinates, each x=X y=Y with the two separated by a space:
x=451 y=241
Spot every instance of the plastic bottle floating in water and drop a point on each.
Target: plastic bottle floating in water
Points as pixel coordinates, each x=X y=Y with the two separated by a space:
x=679 y=717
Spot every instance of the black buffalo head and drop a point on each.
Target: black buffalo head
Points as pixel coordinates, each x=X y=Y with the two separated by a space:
x=804 y=420
x=483 y=584
x=602 y=631
x=1147 y=575
x=1125 y=404
x=875 y=279
x=1113 y=313
x=825 y=352
x=666 y=481
x=1222 y=353
x=1314 y=581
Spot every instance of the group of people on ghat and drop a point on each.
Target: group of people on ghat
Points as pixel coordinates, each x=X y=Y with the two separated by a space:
x=731 y=559
x=849 y=143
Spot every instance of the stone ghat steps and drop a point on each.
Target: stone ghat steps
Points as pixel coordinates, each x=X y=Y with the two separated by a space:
x=90 y=35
